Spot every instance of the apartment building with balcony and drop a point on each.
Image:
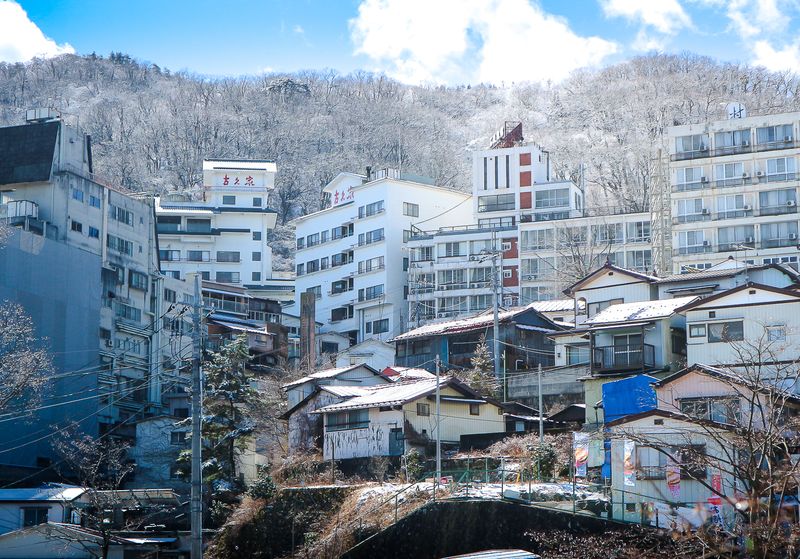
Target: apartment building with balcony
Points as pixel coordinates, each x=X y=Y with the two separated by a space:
x=82 y=262
x=353 y=253
x=552 y=252
x=734 y=190
x=221 y=232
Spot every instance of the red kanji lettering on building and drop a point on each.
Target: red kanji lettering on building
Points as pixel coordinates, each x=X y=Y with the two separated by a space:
x=249 y=181
x=350 y=193
x=225 y=180
x=336 y=197
x=236 y=181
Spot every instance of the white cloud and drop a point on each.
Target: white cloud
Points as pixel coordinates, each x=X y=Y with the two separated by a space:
x=646 y=43
x=299 y=29
x=665 y=16
x=461 y=41
x=21 y=39
x=751 y=17
x=787 y=58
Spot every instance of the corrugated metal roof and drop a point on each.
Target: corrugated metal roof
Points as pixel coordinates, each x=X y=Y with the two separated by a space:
x=385 y=395
x=556 y=305
x=327 y=373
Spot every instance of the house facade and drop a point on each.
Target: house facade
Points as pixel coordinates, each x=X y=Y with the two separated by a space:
x=389 y=420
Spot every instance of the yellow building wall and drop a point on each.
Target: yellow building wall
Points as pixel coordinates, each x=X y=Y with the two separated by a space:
x=455 y=418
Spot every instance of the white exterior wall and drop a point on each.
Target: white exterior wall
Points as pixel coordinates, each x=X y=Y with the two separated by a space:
x=12 y=515
x=432 y=202
x=756 y=311
x=361 y=443
x=359 y=376
x=233 y=224
x=753 y=158
x=374 y=353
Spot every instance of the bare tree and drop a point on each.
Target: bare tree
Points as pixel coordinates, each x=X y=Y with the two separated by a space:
x=25 y=365
x=748 y=437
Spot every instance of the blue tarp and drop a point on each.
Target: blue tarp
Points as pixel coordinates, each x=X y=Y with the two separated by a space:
x=628 y=396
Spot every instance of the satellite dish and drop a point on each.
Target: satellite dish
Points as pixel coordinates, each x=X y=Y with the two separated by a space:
x=736 y=110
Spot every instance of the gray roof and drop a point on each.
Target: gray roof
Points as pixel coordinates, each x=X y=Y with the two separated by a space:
x=47 y=492
x=27 y=151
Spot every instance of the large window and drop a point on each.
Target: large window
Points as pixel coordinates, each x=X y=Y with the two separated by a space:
x=557 y=198
x=452 y=279
x=33 y=516
x=169 y=255
x=774 y=134
x=227 y=277
x=775 y=235
x=776 y=202
x=198 y=255
x=228 y=256
x=689 y=178
x=731 y=206
x=370 y=209
x=452 y=249
x=410 y=209
x=119 y=245
x=377 y=326
x=691 y=210
x=496 y=203
x=729 y=174
x=607 y=233
x=421 y=254
x=198 y=225
x=732 y=331
x=640 y=260
x=725 y=141
x=736 y=238
x=353 y=419
x=137 y=280
x=718 y=409
x=691 y=242
x=370 y=237
x=537 y=268
x=128 y=312
x=449 y=306
x=120 y=214
x=639 y=232
x=372 y=292
x=693 y=143
x=781 y=169
x=370 y=265
x=537 y=240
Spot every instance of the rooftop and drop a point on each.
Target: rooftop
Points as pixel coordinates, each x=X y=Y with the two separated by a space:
x=46 y=492
x=28 y=152
x=328 y=373
x=387 y=395
x=644 y=310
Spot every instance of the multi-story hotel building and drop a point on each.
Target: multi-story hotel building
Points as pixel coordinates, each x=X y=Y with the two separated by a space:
x=353 y=254
x=81 y=260
x=734 y=190
x=222 y=234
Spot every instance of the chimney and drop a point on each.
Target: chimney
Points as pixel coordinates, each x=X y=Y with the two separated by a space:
x=308 y=343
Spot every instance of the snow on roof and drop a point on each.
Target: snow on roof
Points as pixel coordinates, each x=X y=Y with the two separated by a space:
x=327 y=373
x=556 y=305
x=474 y=322
x=345 y=391
x=411 y=372
x=386 y=395
x=643 y=310
x=47 y=492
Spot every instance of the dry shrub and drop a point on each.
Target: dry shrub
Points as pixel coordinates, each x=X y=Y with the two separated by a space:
x=301 y=468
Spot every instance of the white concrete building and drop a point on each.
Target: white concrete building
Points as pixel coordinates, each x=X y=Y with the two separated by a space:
x=353 y=255
x=223 y=234
x=734 y=188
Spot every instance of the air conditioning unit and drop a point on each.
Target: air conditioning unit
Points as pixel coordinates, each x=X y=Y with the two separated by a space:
x=745 y=143
x=109 y=343
x=745 y=175
x=746 y=208
x=793 y=236
x=704 y=211
x=440 y=315
x=791 y=203
x=703 y=179
x=706 y=243
x=787 y=139
x=473 y=258
x=759 y=173
x=749 y=240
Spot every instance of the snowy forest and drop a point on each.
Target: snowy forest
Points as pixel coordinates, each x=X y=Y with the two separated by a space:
x=151 y=128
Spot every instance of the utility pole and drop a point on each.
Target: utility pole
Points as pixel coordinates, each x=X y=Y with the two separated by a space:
x=541 y=427
x=496 y=326
x=196 y=509
x=438 y=426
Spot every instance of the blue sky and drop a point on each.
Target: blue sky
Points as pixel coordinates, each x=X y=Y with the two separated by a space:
x=416 y=41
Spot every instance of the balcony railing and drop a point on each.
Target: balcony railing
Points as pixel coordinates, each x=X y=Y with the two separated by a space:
x=741 y=245
x=695 y=249
x=789 y=241
x=691 y=218
x=780 y=209
x=733 y=214
x=623 y=357
x=731 y=150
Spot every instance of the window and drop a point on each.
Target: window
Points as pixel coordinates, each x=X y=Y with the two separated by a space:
x=369 y=293
x=77 y=194
x=695 y=142
x=329 y=347
x=779 y=234
x=181 y=412
x=692 y=242
x=227 y=277
x=34 y=516
x=128 y=312
x=227 y=256
x=452 y=279
x=697 y=331
x=229 y=200
x=689 y=178
x=369 y=265
x=370 y=237
x=776 y=333
x=480 y=302
x=120 y=214
x=256 y=202
x=537 y=293
x=316 y=290
x=410 y=209
x=780 y=169
x=353 y=419
x=256 y=257
x=380 y=326
x=323 y=263
x=76 y=226
x=640 y=260
x=177 y=437
x=774 y=134
x=407 y=234
x=301 y=242
x=423 y=410
x=370 y=209
x=256 y=235
x=776 y=202
x=731 y=139
x=726 y=331
x=119 y=245
x=452 y=249
x=507 y=274
x=639 y=232
x=312 y=240
x=312 y=266
x=198 y=255
x=94 y=201
x=198 y=225
x=496 y=203
x=175 y=274
x=170 y=296
x=169 y=255
x=538 y=240
x=94 y=232
x=474 y=409
x=421 y=254
x=607 y=233
x=557 y=198
x=137 y=280
x=733 y=238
